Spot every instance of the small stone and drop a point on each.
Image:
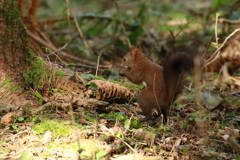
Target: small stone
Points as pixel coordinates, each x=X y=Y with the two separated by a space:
x=47 y=137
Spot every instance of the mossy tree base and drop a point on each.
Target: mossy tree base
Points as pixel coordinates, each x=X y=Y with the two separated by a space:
x=14 y=53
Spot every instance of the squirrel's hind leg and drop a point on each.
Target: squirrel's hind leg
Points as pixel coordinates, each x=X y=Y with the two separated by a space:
x=145 y=101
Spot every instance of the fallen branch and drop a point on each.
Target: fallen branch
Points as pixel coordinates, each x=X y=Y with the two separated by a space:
x=209 y=61
x=122 y=25
x=54 y=49
x=222 y=20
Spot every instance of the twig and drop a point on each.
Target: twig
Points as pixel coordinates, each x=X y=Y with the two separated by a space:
x=69 y=13
x=32 y=9
x=65 y=45
x=122 y=25
x=222 y=20
x=79 y=29
x=55 y=55
x=216 y=23
x=97 y=65
x=53 y=48
x=174 y=36
x=208 y=45
x=40 y=24
x=103 y=18
x=209 y=61
x=107 y=131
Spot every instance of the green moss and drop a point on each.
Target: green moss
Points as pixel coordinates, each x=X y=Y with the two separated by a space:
x=92 y=77
x=128 y=85
x=16 y=30
x=4 y=149
x=59 y=73
x=7 y=84
x=38 y=75
x=58 y=128
x=6 y=81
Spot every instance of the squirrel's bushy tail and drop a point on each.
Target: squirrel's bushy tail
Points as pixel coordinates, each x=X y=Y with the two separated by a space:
x=176 y=66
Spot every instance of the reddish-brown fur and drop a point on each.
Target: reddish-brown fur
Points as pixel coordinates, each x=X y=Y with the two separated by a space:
x=162 y=83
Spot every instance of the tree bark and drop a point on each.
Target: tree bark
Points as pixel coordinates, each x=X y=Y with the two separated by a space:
x=14 y=50
x=14 y=47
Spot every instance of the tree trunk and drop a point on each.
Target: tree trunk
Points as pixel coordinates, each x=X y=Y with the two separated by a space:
x=19 y=68
x=14 y=52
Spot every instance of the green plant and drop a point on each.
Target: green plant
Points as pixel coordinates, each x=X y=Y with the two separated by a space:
x=185 y=150
x=90 y=77
x=164 y=128
x=4 y=149
x=71 y=64
x=59 y=73
x=7 y=83
x=58 y=90
x=194 y=117
x=132 y=123
x=101 y=154
x=20 y=119
x=14 y=126
x=36 y=119
x=38 y=75
x=184 y=124
x=120 y=135
x=128 y=85
x=38 y=95
x=114 y=115
x=26 y=156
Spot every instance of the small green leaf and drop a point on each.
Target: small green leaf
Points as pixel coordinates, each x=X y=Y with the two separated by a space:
x=20 y=119
x=26 y=156
x=127 y=123
x=89 y=76
x=100 y=154
x=46 y=48
x=185 y=150
x=38 y=95
x=71 y=64
x=216 y=45
x=15 y=127
x=184 y=124
x=118 y=134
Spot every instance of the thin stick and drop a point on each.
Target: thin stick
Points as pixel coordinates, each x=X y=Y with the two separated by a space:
x=209 y=61
x=69 y=15
x=216 y=24
x=53 y=48
x=97 y=65
x=222 y=20
x=122 y=25
x=70 y=41
x=208 y=45
x=79 y=29
x=174 y=36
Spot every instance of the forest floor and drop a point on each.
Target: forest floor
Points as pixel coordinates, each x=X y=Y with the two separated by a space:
x=112 y=131
x=71 y=121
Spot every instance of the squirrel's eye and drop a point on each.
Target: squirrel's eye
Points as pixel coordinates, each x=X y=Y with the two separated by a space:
x=124 y=59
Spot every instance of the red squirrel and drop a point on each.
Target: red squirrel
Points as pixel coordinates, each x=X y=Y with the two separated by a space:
x=163 y=83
